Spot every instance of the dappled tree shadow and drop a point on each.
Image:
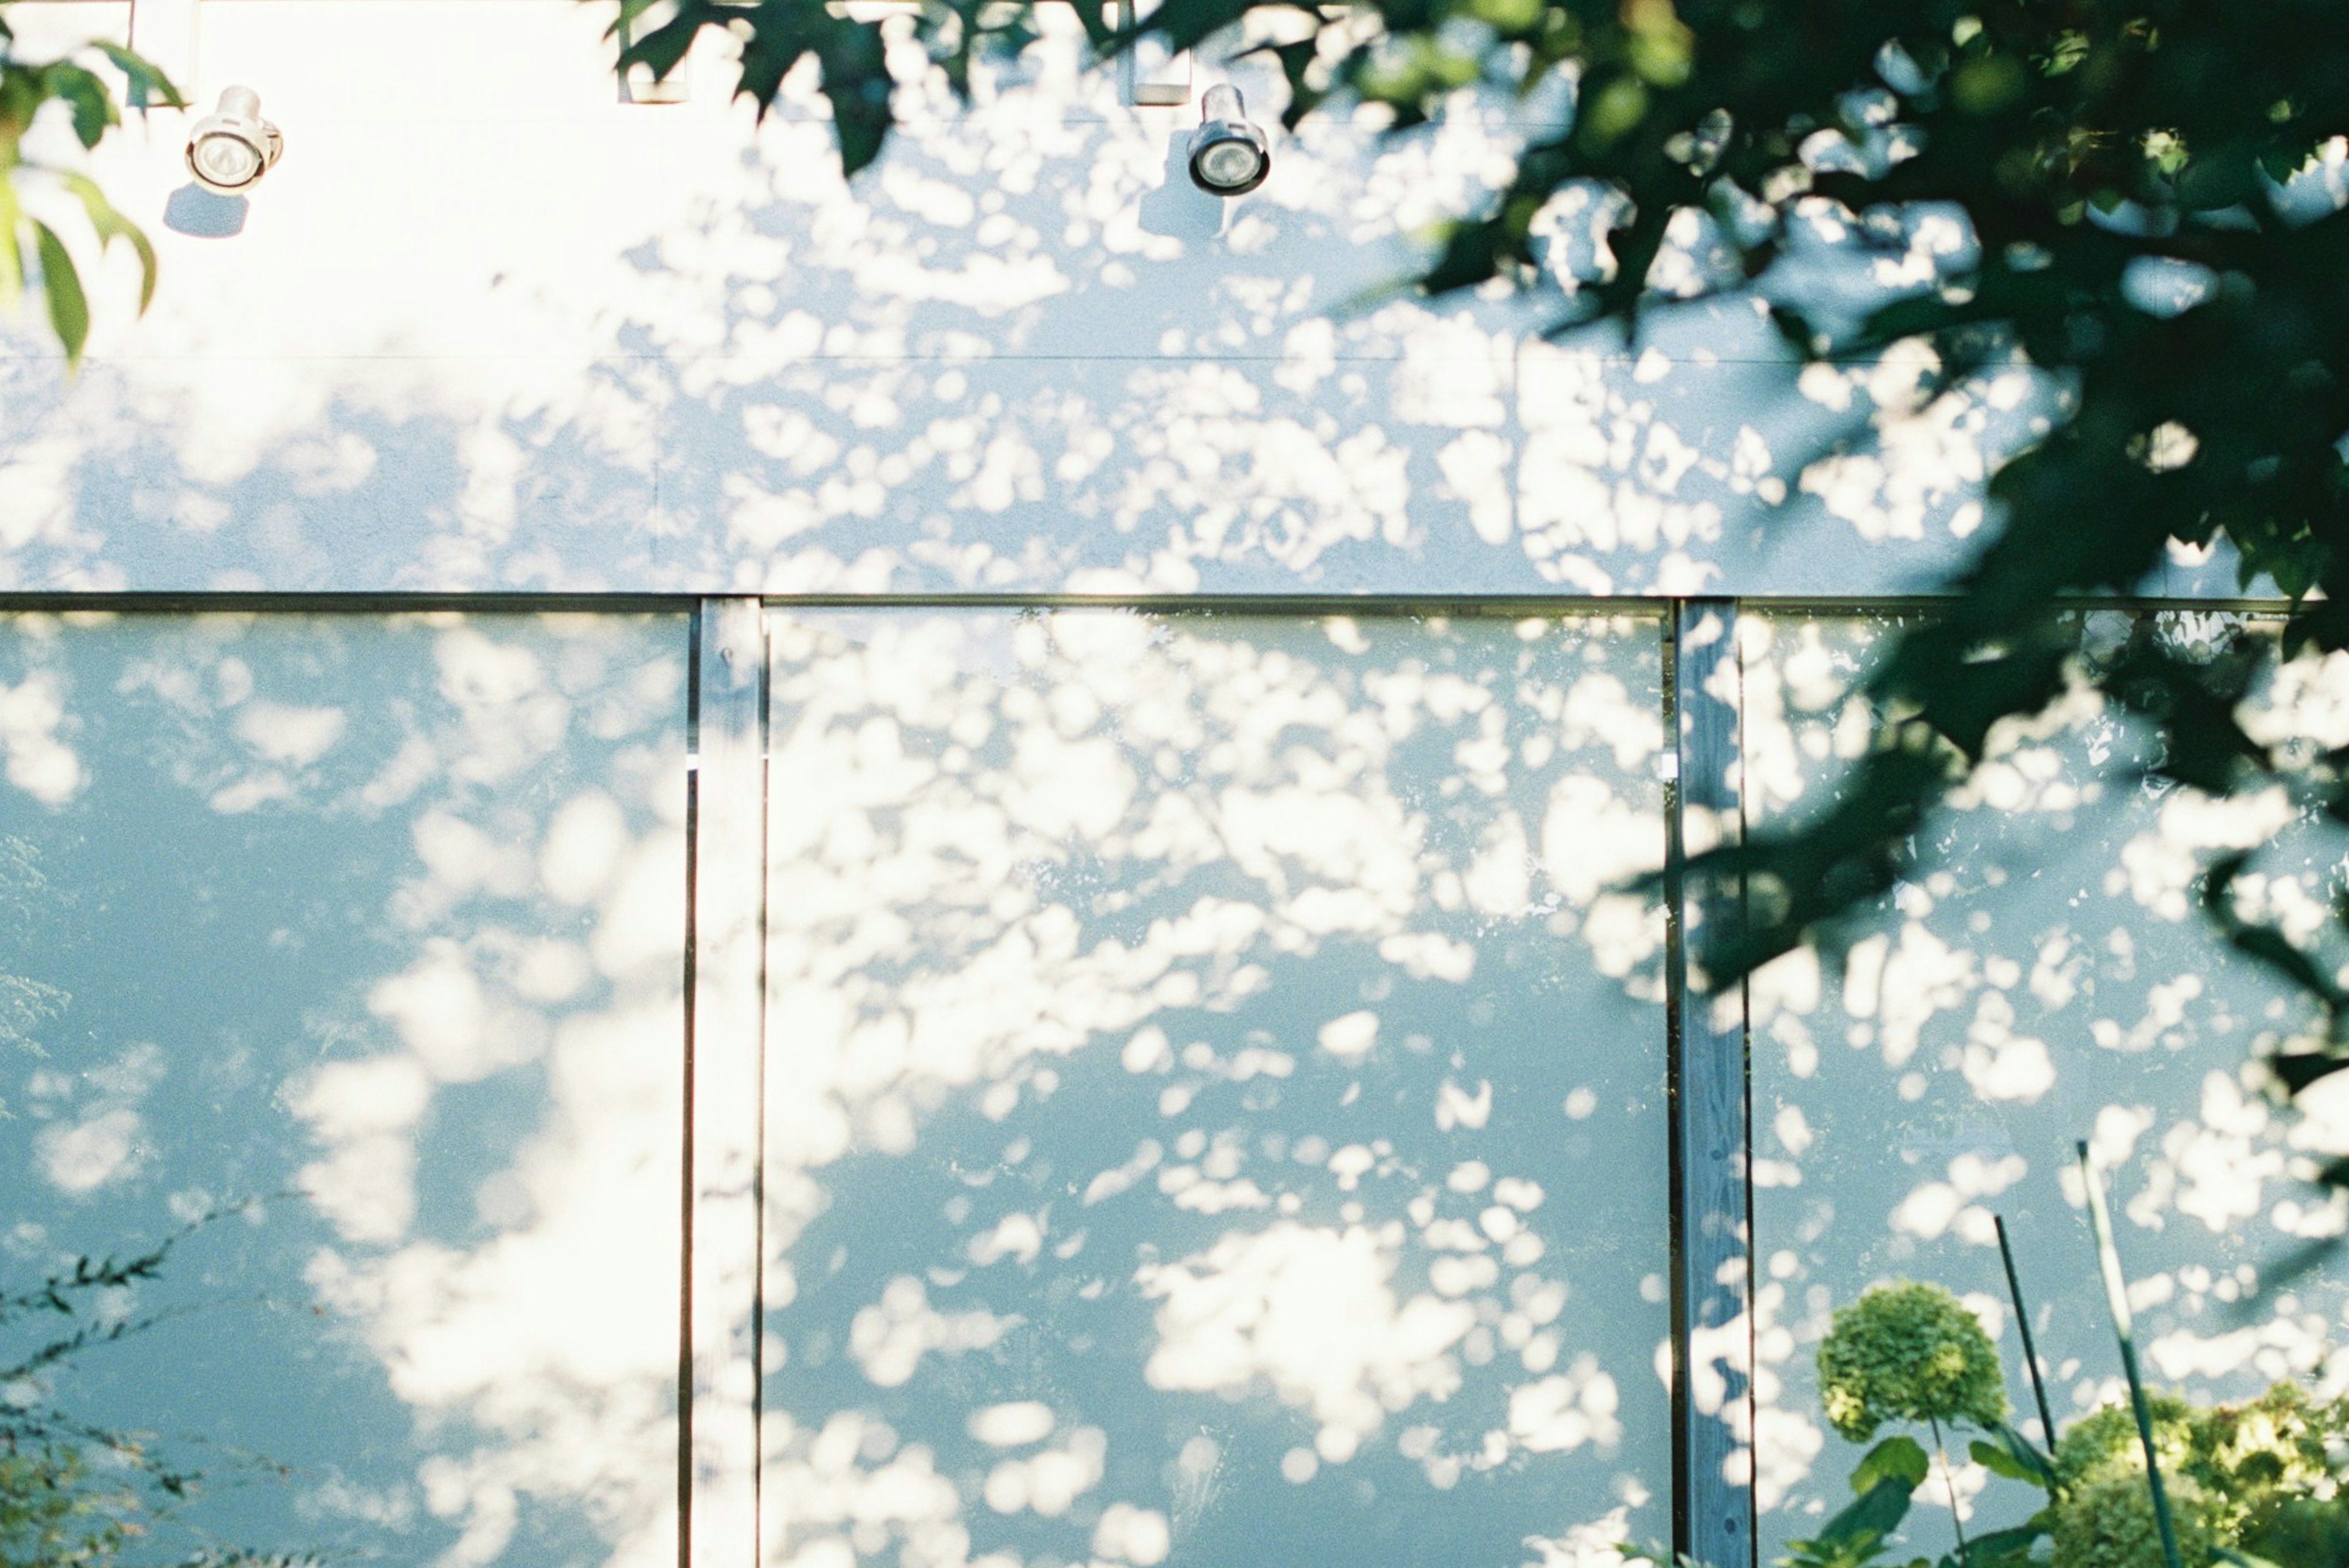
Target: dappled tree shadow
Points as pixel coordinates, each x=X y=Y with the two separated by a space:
x=2050 y=977
x=1216 y=1102
x=1019 y=354
x=374 y=924
x=1227 y=970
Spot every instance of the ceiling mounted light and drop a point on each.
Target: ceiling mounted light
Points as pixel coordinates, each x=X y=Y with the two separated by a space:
x=1229 y=155
x=232 y=147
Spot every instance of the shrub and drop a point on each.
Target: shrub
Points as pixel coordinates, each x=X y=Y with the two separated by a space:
x=2260 y=1476
x=1908 y=1352
x=2104 y=1442
x=54 y=1513
x=2108 y=1522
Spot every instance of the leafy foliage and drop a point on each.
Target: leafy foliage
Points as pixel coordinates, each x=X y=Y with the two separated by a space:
x=72 y=1494
x=2261 y=1476
x=2105 y=1441
x=2256 y=1484
x=1908 y=1352
x=31 y=251
x=2145 y=222
x=850 y=55
x=1858 y=1533
x=54 y=1512
x=2109 y=1522
x=1887 y=1478
x=2088 y=145
x=2017 y=1457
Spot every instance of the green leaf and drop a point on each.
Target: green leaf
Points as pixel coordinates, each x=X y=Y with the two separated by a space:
x=2241 y=1558
x=661 y=49
x=856 y=83
x=12 y=258
x=92 y=104
x=1613 y=109
x=111 y=225
x=2003 y=1548
x=1856 y=1537
x=2016 y=1456
x=629 y=11
x=148 y=82
x=2221 y=178
x=1471 y=254
x=2282 y=161
x=68 y=307
x=1894 y=1459
x=2302 y=1068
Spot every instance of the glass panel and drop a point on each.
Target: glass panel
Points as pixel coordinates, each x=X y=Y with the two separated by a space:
x=2050 y=977
x=348 y=950
x=1216 y=1106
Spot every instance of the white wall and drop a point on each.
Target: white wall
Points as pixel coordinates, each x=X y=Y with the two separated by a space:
x=486 y=327
x=489 y=329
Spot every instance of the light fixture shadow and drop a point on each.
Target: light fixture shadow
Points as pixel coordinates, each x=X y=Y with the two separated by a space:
x=204 y=215
x=1178 y=209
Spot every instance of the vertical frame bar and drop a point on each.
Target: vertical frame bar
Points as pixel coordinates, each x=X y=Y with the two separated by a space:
x=1711 y=1219
x=1149 y=73
x=719 y=1426
x=165 y=31
x=636 y=83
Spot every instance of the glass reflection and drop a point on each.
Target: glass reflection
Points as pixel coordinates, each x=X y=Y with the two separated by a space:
x=362 y=934
x=1215 y=1096
x=2049 y=977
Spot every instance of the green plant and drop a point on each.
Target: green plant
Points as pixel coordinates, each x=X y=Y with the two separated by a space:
x=2109 y=1522
x=2104 y=1442
x=73 y=1493
x=55 y=1515
x=1860 y=1533
x=2146 y=223
x=2086 y=146
x=2260 y=1476
x=1908 y=1352
x=30 y=247
x=2306 y=1532
x=2258 y=1484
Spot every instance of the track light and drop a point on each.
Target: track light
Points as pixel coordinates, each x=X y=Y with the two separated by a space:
x=1229 y=155
x=232 y=147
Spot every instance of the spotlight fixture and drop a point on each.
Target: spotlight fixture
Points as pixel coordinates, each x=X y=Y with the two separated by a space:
x=232 y=147
x=1229 y=155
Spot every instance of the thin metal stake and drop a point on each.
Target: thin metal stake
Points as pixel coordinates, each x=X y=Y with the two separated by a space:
x=2023 y=1322
x=2116 y=1297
